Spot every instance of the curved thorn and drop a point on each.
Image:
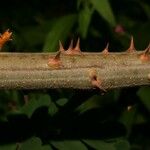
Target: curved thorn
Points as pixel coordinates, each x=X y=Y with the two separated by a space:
x=131 y=47
x=57 y=57
x=55 y=62
x=61 y=48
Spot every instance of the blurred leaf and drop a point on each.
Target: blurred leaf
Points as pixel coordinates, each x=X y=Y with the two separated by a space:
x=128 y=117
x=79 y=2
x=100 y=145
x=95 y=32
x=96 y=101
x=141 y=30
x=146 y=8
x=62 y=101
x=14 y=95
x=84 y=19
x=53 y=109
x=35 y=101
x=34 y=144
x=32 y=36
x=104 y=9
x=116 y=144
x=121 y=144
x=91 y=103
x=117 y=93
x=59 y=31
x=144 y=95
x=8 y=147
x=140 y=118
x=69 y=145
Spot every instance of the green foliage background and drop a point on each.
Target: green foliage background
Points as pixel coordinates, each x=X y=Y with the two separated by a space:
x=68 y=119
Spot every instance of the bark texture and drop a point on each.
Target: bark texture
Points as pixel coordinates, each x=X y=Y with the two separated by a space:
x=74 y=70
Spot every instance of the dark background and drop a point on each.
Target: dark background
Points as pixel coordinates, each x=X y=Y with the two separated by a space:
x=67 y=118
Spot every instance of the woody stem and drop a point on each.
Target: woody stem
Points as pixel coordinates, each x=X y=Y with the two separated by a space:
x=113 y=70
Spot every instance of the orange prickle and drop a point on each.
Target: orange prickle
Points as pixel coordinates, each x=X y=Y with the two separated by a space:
x=6 y=36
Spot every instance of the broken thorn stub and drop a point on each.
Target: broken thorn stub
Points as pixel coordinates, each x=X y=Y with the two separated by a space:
x=95 y=81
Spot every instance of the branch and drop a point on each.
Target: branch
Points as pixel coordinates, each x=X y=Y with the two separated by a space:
x=74 y=69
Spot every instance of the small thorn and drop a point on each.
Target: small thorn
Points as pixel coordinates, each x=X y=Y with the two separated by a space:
x=77 y=47
x=73 y=51
x=145 y=56
x=131 y=47
x=70 y=48
x=61 y=48
x=106 y=50
x=55 y=62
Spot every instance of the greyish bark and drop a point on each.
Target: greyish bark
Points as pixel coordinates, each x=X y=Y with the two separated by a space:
x=79 y=71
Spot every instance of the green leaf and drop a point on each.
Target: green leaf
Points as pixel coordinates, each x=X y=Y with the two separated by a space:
x=114 y=144
x=128 y=118
x=62 y=101
x=53 y=109
x=69 y=145
x=34 y=144
x=91 y=103
x=35 y=101
x=122 y=145
x=144 y=94
x=79 y=2
x=8 y=147
x=100 y=145
x=146 y=8
x=59 y=31
x=84 y=19
x=140 y=118
x=96 y=101
x=104 y=9
x=32 y=36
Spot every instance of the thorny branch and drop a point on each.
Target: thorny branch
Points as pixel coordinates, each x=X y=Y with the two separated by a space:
x=75 y=69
